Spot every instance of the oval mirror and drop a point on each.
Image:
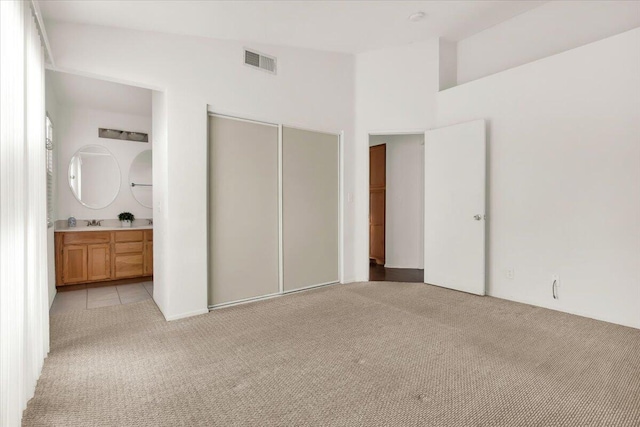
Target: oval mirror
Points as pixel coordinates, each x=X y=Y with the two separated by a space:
x=140 y=179
x=94 y=176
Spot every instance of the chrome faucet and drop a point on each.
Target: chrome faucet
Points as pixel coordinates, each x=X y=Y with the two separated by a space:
x=94 y=223
x=149 y=221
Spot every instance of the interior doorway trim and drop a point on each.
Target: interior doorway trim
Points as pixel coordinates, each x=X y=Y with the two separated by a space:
x=397 y=132
x=366 y=172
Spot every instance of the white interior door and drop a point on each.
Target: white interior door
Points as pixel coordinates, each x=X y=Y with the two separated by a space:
x=454 y=224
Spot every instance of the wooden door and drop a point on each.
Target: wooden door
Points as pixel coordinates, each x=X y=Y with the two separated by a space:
x=377 y=201
x=99 y=265
x=74 y=263
x=148 y=258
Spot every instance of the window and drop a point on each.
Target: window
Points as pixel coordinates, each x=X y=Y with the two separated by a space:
x=49 y=147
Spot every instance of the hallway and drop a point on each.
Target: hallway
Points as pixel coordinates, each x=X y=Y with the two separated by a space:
x=378 y=273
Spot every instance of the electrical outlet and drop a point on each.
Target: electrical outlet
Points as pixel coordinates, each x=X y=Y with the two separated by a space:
x=510 y=273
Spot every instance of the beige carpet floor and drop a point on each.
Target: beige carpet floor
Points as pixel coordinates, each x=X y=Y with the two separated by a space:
x=368 y=354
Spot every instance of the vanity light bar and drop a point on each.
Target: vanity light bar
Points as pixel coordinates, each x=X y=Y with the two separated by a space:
x=123 y=135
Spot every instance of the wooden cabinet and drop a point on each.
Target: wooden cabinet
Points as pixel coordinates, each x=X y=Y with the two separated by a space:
x=74 y=263
x=99 y=262
x=98 y=256
x=129 y=254
x=148 y=258
x=148 y=252
x=129 y=265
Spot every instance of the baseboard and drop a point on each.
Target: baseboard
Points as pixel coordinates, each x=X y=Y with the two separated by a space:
x=564 y=310
x=244 y=301
x=319 y=285
x=184 y=315
x=55 y=292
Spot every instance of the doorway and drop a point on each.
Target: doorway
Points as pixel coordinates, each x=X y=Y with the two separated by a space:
x=99 y=192
x=396 y=207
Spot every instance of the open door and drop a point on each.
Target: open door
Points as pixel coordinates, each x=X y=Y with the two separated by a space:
x=454 y=223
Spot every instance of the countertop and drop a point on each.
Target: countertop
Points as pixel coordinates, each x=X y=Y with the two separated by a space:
x=101 y=228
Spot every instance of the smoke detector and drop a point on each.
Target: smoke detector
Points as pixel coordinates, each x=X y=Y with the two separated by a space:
x=418 y=16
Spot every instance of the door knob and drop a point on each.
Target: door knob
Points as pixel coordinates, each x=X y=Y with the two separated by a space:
x=477 y=217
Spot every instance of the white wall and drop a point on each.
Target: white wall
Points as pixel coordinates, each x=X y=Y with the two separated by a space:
x=395 y=92
x=161 y=288
x=51 y=105
x=447 y=64
x=564 y=177
x=77 y=127
x=404 y=231
x=312 y=89
x=554 y=27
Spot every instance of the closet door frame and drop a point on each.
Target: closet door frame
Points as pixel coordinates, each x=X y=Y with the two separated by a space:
x=257 y=120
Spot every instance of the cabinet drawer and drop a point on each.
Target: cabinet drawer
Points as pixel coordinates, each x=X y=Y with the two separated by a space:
x=86 y=237
x=129 y=236
x=129 y=265
x=148 y=235
x=129 y=248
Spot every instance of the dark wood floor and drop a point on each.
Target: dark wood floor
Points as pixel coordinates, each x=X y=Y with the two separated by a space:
x=378 y=273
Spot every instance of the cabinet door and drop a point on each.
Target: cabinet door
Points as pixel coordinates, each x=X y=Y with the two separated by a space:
x=130 y=265
x=74 y=263
x=99 y=267
x=148 y=258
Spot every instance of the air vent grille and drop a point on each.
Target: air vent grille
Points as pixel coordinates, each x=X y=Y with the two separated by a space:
x=258 y=60
x=251 y=58
x=123 y=135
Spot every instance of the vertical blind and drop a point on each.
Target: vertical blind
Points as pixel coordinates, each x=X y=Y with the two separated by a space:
x=24 y=319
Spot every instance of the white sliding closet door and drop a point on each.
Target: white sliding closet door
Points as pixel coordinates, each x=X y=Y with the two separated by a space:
x=243 y=210
x=310 y=208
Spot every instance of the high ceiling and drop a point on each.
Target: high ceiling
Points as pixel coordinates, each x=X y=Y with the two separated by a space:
x=78 y=91
x=341 y=26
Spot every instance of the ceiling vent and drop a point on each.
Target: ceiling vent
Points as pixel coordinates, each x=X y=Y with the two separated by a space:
x=258 y=60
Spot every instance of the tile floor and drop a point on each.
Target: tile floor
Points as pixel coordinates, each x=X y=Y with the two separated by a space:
x=101 y=297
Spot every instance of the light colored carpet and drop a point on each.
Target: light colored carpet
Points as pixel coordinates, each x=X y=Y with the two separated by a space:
x=368 y=354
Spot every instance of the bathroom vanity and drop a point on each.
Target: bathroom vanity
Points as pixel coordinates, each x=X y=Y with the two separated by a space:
x=102 y=251
x=86 y=255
